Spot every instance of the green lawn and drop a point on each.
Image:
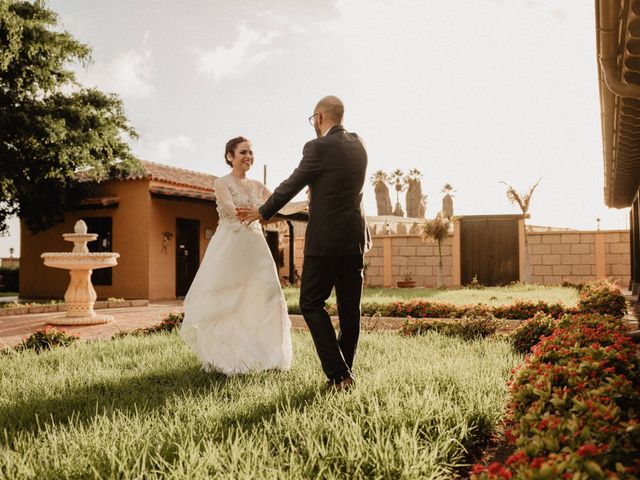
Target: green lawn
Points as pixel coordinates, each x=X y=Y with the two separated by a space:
x=8 y=294
x=141 y=407
x=460 y=296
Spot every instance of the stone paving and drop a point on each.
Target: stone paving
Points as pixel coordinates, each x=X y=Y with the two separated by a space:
x=15 y=327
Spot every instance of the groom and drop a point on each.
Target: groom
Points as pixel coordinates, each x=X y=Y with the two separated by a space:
x=334 y=167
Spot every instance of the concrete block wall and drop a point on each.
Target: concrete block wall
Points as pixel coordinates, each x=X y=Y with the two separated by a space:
x=579 y=257
x=554 y=257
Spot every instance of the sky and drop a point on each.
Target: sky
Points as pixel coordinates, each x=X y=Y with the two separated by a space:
x=471 y=92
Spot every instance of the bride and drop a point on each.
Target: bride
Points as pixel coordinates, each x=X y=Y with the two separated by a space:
x=235 y=315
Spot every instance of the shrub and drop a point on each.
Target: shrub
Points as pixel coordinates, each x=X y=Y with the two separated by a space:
x=424 y=309
x=9 y=279
x=168 y=324
x=602 y=297
x=529 y=333
x=574 y=410
x=520 y=310
x=468 y=328
x=478 y=326
x=376 y=308
x=46 y=339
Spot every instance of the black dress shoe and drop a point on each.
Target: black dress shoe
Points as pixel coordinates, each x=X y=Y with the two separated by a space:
x=341 y=386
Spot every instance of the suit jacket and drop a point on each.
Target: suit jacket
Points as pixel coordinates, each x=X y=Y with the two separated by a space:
x=334 y=167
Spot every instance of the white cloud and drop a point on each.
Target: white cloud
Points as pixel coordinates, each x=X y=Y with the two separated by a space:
x=167 y=149
x=128 y=74
x=247 y=52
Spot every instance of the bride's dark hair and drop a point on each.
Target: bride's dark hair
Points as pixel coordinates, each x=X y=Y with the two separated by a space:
x=231 y=148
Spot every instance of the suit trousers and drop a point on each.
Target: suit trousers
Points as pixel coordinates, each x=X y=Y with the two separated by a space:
x=319 y=275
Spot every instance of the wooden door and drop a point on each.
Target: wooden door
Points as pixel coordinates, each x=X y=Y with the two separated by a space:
x=187 y=253
x=489 y=250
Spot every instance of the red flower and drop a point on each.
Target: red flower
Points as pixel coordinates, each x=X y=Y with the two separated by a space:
x=588 y=449
x=518 y=457
x=537 y=462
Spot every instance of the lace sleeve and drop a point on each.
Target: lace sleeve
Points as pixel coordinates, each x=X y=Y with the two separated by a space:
x=226 y=207
x=264 y=192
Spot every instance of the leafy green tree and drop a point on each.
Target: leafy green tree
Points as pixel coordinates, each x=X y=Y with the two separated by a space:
x=437 y=230
x=52 y=131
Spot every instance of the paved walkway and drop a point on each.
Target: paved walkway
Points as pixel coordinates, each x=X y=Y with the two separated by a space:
x=15 y=327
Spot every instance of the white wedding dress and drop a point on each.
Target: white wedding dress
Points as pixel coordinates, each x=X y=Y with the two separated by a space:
x=235 y=315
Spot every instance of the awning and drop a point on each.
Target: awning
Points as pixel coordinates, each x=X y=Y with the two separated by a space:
x=182 y=193
x=98 y=202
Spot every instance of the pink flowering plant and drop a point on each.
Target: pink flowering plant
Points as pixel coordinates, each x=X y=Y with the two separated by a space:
x=170 y=323
x=46 y=339
x=468 y=328
x=575 y=410
x=520 y=310
x=531 y=331
x=603 y=297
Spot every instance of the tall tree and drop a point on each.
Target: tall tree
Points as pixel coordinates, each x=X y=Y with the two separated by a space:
x=51 y=129
x=447 y=200
x=399 y=181
x=416 y=201
x=523 y=201
x=379 y=181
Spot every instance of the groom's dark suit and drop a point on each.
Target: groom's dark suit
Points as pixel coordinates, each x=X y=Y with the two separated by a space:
x=334 y=167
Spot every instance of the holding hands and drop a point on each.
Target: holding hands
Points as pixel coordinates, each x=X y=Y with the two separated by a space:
x=249 y=215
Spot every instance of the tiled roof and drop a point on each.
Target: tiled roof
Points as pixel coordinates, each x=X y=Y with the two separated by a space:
x=618 y=51
x=177 y=176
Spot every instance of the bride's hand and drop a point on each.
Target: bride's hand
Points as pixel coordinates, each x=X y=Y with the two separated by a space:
x=248 y=215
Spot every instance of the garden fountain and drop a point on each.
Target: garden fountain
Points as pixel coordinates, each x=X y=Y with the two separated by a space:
x=80 y=295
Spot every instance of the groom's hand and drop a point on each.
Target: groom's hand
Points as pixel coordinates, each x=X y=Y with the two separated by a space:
x=248 y=215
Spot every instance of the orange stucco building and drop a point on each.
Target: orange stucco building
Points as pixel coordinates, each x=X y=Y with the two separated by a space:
x=160 y=223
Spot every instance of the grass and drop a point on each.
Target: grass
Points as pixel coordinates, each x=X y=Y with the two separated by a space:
x=141 y=407
x=459 y=296
x=8 y=294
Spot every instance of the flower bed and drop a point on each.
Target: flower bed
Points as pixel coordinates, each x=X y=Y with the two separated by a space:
x=520 y=310
x=531 y=331
x=17 y=308
x=600 y=296
x=468 y=328
x=575 y=410
x=44 y=339
x=170 y=323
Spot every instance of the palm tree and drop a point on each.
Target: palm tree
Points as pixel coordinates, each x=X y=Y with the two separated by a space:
x=379 y=180
x=416 y=202
x=447 y=200
x=437 y=230
x=398 y=180
x=523 y=201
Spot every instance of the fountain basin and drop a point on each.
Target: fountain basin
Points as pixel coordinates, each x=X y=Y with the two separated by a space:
x=80 y=261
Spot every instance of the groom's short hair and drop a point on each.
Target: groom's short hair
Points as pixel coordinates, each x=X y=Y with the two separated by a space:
x=332 y=107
